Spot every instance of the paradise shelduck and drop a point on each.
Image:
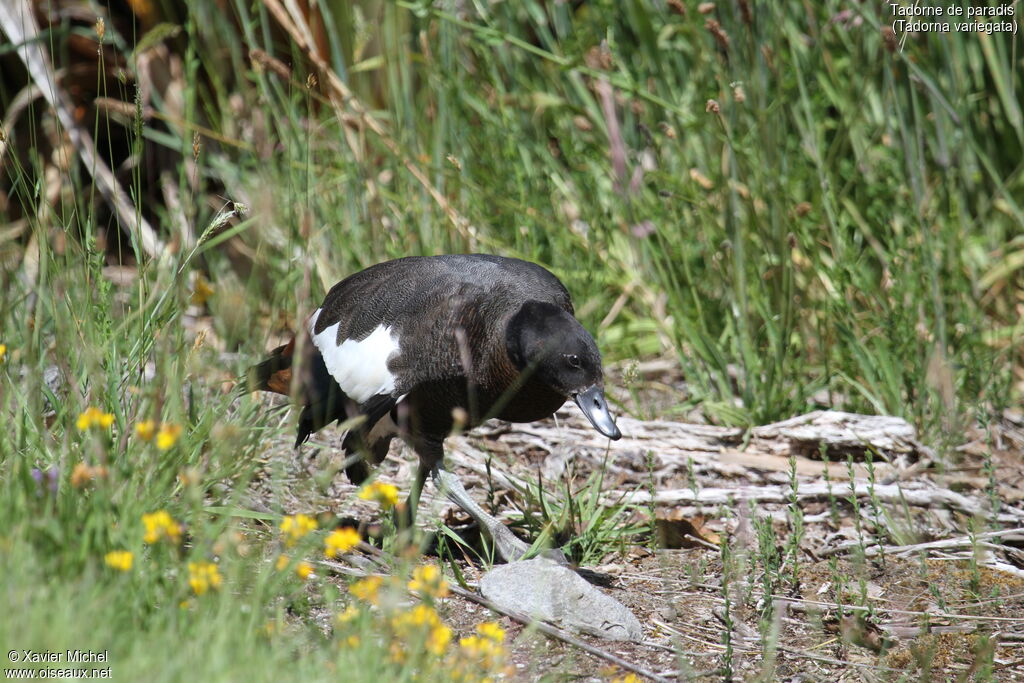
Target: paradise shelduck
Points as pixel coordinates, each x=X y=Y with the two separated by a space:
x=421 y=346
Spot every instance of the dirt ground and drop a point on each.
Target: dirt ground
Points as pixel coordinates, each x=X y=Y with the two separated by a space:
x=867 y=594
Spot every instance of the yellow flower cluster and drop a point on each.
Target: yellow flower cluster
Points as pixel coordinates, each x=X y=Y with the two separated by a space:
x=294 y=527
x=160 y=525
x=201 y=291
x=428 y=582
x=383 y=494
x=94 y=417
x=628 y=678
x=121 y=560
x=166 y=436
x=202 y=576
x=83 y=474
x=340 y=541
x=303 y=569
x=3 y=352
x=350 y=613
x=418 y=632
x=368 y=589
x=145 y=430
x=485 y=648
x=406 y=626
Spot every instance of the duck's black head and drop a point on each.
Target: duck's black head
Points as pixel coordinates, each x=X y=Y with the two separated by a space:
x=550 y=344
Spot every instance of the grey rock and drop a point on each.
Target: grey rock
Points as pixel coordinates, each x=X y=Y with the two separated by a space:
x=543 y=589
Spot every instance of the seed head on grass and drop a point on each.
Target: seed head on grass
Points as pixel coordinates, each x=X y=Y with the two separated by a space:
x=294 y=527
x=82 y=474
x=121 y=560
x=159 y=526
x=202 y=576
x=340 y=541
x=428 y=582
x=383 y=494
x=189 y=476
x=92 y=418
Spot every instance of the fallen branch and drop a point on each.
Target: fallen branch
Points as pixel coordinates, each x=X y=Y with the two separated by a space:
x=891 y=493
x=958 y=542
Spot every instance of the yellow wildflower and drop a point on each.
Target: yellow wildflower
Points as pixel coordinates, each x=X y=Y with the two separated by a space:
x=282 y=562
x=367 y=589
x=421 y=619
x=202 y=290
x=304 y=570
x=202 y=576
x=121 y=560
x=295 y=527
x=160 y=525
x=437 y=641
x=352 y=641
x=94 y=417
x=428 y=582
x=340 y=541
x=82 y=474
x=628 y=678
x=350 y=613
x=145 y=430
x=167 y=436
x=483 y=649
x=383 y=494
x=491 y=630
x=3 y=352
x=419 y=616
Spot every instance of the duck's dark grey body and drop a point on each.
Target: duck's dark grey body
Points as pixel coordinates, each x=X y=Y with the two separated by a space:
x=418 y=344
x=443 y=310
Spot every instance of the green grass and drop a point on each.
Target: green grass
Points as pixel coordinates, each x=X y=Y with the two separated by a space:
x=842 y=226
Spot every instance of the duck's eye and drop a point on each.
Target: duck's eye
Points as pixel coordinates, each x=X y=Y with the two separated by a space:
x=573 y=360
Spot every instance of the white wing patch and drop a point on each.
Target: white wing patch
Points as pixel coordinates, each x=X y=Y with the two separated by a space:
x=359 y=367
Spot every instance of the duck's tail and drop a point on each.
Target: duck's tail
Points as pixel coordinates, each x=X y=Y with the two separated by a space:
x=273 y=374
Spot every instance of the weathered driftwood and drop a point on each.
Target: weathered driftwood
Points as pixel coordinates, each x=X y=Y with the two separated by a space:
x=917 y=494
x=836 y=435
x=847 y=440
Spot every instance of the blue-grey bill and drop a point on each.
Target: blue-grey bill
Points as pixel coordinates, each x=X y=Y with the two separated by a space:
x=591 y=401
